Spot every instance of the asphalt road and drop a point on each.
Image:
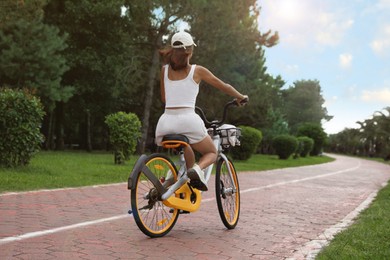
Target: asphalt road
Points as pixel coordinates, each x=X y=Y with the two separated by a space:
x=285 y=214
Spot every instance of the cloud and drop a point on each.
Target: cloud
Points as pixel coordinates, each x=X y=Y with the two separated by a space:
x=331 y=28
x=379 y=6
x=345 y=60
x=350 y=92
x=331 y=100
x=380 y=95
x=302 y=22
x=292 y=69
x=381 y=44
x=383 y=4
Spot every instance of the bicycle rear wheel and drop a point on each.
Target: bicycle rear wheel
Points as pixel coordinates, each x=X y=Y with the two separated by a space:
x=227 y=193
x=153 y=218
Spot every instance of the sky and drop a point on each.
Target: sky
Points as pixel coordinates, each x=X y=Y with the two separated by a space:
x=345 y=45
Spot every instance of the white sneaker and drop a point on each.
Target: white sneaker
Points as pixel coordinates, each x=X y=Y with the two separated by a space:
x=196 y=176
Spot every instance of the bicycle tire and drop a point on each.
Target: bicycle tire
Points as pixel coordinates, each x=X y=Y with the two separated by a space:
x=228 y=199
x=152 y=217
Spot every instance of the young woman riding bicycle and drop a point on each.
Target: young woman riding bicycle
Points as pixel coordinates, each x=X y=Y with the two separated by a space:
x=179 y=88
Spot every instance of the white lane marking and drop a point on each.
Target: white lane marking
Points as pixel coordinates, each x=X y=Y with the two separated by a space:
x=61 y=189
x=59 y=229
x=94 y=222
x=300 y=180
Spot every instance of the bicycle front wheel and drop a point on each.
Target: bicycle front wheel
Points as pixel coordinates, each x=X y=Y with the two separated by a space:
x=153 y=218
x=227 y=193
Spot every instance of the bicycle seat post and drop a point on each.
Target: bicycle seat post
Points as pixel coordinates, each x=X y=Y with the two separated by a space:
x=182 y=159
x=178 y=142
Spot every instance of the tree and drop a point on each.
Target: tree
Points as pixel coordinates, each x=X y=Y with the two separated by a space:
x=275 y=125
x=303 y=103
x=349 y=141
x=371 y=139
x=31 y=57
x=231 y=47
x=384 y=131
x=376 y=133
x=97 y=55
x=315 y=132
x=31 y=54
x=11 y=11
x=117 y=70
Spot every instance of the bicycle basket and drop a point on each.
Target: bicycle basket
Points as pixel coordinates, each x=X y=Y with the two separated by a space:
x=230 y=135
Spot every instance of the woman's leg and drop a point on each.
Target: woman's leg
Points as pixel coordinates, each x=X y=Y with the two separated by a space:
x=207 y=149
x=189 y=156
x=209 y=155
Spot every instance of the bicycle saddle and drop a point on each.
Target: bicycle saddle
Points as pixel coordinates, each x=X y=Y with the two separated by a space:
x=175 y=141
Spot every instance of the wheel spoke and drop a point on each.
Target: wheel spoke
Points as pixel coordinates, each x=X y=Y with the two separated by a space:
x=228 y=198
x=151 y=215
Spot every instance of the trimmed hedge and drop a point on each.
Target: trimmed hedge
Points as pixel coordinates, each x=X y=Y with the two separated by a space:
x=285 y=145
x=250 y=141
x=124 y=131
x=21 y=116
x=306 y=145
x=315 y=132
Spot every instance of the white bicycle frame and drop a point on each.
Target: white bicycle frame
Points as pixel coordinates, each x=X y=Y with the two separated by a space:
x=182 y=170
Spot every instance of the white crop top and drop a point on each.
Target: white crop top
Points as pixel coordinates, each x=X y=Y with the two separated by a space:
x=180 y=93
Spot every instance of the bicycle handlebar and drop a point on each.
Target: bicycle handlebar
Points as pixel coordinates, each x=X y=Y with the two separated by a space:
x=225 y=108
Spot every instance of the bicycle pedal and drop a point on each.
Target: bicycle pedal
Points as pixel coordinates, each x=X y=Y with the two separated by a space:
x=180 y=211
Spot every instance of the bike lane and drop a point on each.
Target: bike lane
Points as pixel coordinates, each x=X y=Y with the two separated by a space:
x=285 y=214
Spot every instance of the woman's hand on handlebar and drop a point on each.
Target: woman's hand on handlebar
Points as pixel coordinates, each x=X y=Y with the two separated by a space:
x=242 y=101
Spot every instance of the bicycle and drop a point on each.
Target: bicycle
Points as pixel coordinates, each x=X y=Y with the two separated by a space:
x=160 y=188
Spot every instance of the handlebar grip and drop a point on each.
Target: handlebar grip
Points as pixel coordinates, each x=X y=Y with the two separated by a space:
x=244 y=101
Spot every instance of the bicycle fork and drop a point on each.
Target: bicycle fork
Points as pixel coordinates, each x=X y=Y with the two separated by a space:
x=229 y=191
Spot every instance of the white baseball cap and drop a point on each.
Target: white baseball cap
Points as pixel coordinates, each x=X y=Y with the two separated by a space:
x=184 y=38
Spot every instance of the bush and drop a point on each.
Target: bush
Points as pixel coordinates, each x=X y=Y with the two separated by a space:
x=250 y=141
x=285 y=145
x=315 y=132
x=21 y=117
x=305 y=145
x=124 y=131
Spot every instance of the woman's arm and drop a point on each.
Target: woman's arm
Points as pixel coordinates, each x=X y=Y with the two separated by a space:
x=204 y=74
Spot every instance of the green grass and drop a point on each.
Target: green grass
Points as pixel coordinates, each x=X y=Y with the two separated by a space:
x=48 y=170
x=260 y=162
x=368 y=237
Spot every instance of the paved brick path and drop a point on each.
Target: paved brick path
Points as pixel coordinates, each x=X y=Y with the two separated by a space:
x=285 y=214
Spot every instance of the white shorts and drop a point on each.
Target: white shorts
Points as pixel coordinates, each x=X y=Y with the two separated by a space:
x=181 y=121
